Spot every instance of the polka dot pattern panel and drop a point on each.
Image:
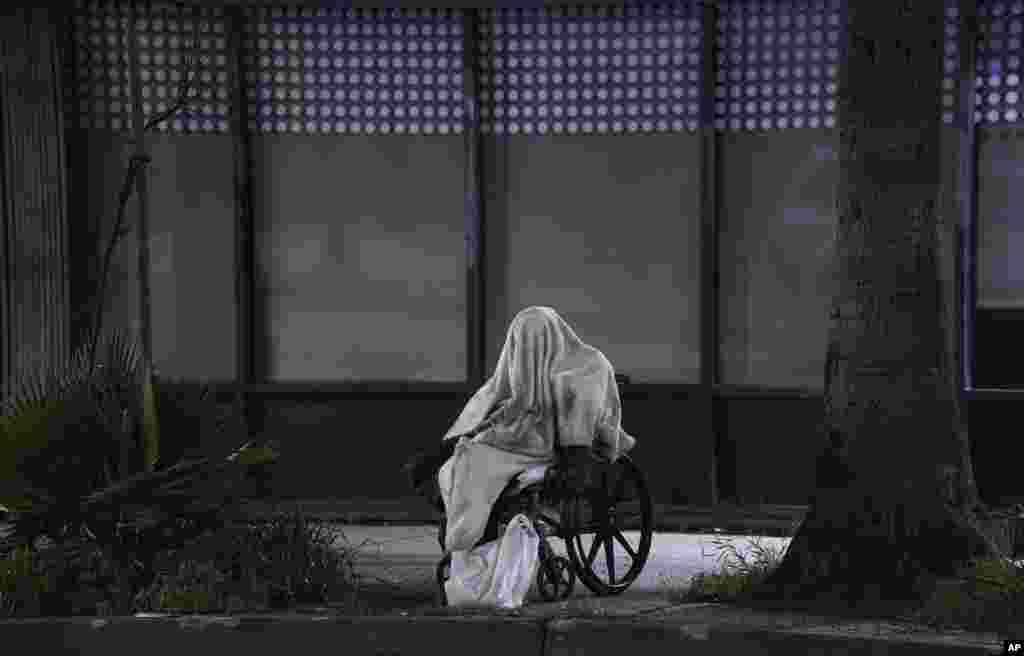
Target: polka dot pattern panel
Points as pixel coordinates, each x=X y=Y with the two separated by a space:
x=354 y=71
x=323 y=71
x=631 y=68
x=590 y=69
x=778 y=64
x=165 y=36
x=998 y=67
x=951 y=63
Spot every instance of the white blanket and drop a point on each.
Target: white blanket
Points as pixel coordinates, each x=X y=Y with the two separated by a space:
x=499 y=573
x=549 y=388
x=471 y=481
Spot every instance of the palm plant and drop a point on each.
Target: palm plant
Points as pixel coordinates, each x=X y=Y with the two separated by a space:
x=78 y=470
x=72 y=428
x=78 y=454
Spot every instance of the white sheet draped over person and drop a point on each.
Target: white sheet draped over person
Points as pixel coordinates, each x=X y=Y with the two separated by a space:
x=549 y=388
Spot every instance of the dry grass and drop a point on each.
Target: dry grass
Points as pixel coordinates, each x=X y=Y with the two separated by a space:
x=737 y=573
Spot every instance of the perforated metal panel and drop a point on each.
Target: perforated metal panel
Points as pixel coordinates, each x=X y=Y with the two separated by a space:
x=950 y=62
x=778 y=64
x=355 y=71
x=622 y=69
x=590 y=69
x=164 y=35
x=997 y=81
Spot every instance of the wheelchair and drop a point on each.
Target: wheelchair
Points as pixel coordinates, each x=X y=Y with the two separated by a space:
x=594 y=521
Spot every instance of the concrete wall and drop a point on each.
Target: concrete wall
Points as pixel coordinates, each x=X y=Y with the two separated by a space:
x=674 y=447
x=998 y=362
x=606 y=230
x=341 y=447
x=777 y=220
x=191 y=217
x=192 y=237
x=996 y=449
x=344 y=447
x=361 y=267
x=360 y=273
x=1000 y=223
x=768 y=449
x=360 y=270
x=360 y=251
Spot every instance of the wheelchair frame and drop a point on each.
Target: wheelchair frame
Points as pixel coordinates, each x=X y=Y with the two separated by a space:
x=556 y=575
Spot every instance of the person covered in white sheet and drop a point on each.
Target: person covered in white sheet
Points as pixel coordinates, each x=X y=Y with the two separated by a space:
x=549 y=389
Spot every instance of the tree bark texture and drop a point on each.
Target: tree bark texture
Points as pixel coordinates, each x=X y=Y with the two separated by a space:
x=34 y=310
x=882 y=519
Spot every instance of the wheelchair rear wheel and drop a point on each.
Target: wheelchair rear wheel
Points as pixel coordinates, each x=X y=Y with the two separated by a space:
x=617 y=520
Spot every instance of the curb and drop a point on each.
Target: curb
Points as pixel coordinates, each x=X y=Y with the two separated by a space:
x=256 y=636
x=737 y=640
x=621 y=636
x=616 y=637
x=272 y=636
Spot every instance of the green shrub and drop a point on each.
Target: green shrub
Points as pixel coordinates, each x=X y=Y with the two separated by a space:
x=196 y=587
x=991 y=598
x=22 y=581
x=193 y=423
x=996 y=578
x=302 y=559
x=737 y=574
x=285 y=561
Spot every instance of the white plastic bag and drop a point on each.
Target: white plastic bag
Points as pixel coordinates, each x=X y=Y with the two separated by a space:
x=497 y=573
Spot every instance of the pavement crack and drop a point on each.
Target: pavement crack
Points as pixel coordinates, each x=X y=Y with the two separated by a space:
x=650 y=611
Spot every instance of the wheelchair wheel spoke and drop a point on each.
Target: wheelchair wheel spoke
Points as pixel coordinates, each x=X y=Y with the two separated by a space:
x=593 y=551
x=609 y=558
x=625 y=545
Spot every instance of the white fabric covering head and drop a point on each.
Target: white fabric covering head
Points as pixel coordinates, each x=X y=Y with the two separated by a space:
x=548 y=388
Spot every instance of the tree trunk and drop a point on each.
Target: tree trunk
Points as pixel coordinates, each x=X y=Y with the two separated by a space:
x=881 y=520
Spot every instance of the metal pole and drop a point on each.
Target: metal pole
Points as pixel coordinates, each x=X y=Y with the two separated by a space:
x=967 y=183
x=244 y=229
x=474 y=234
x=709 y=279
x=967 y=190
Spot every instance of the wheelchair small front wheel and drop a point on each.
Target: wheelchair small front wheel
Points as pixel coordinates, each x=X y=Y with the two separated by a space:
x=555 y=578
